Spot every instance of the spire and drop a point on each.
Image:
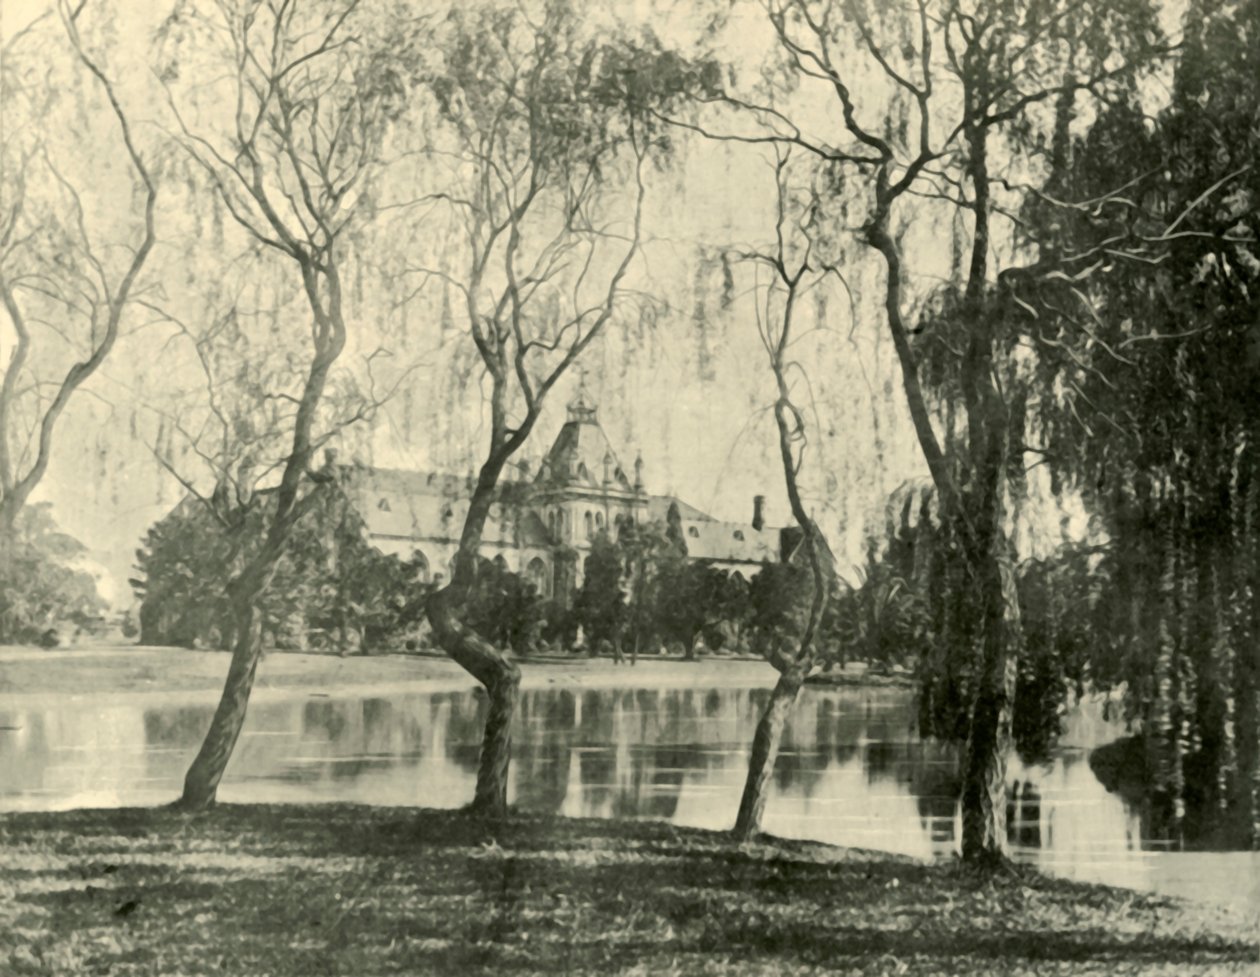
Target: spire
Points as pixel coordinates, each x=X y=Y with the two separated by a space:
x=580 y=408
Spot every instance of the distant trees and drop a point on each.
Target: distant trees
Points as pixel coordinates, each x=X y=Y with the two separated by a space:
x=600 y=606
x=640 y=592
x=330 y=580
x=40 y=589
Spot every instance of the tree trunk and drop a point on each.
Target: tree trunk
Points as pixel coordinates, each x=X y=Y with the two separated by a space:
x=765 y=750
x=501 y=678
x=989 y=742
x=201 y=783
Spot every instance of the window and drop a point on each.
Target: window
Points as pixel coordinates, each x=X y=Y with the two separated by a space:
x=383 y=505
x=539 y=577
x=739 y=535
x=422 y=566
x=693 y=532
x=589 y=524
x=599 y=520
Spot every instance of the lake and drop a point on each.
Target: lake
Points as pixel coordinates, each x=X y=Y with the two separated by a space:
x=852 y=771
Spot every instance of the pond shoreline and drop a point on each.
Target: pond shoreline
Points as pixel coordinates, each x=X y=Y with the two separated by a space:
x=291 y=890
x=31 y=675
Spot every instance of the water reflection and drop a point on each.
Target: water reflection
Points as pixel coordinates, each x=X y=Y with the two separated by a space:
x=852 y=769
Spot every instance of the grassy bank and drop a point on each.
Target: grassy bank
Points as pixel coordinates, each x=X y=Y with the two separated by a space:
x=131 y=669
x=308 y=891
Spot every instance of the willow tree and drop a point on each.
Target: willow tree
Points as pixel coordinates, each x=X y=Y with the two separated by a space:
x=1143 y=308
x=783 y=275
x=930 y=111
x=546 y=142
x=285 y=138
x=65 y=281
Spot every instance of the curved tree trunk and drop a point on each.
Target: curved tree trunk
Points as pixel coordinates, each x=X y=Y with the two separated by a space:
x=501 y=678
x=765 y=751
x=201 y=783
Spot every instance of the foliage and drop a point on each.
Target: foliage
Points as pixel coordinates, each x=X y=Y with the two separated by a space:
x=1148 y=341
x=641 y=590
x=329 y=578
x=504 y=608
x=778 y=604
x=600 y=605
x=39 y=586
x=694 y=599
x=910 y=606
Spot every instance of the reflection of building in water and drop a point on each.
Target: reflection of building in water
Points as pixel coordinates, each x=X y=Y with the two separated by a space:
x=581 y=490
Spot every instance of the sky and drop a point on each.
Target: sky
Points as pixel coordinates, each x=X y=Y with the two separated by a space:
x=688 y=391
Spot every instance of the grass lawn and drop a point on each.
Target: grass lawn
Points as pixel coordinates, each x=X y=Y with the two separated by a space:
x=308 y=891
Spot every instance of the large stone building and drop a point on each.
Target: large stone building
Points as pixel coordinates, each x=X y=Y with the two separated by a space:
x=542 y=520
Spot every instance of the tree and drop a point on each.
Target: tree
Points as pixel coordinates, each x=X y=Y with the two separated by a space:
x=925 y=97
x=39 y=586
x=313 y=93
x=782 y=274
x=329 y=578
x=59 y=280
x=645 y=548
x=1143 y=309
x=547 y=135
x=693 y=598
x=504 y=608
x=600 y=606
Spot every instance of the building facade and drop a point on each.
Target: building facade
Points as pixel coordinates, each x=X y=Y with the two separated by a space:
x=542 y=525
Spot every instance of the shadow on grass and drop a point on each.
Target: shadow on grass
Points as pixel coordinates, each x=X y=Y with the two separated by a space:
x=360 y=890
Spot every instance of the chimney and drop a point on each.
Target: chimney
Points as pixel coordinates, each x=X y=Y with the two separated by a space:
x=759 y=512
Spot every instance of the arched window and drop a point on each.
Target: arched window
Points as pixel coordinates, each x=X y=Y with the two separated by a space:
x=539 y=577
x=693 y=532
x=383 y=505
x=589 y=525
x=599 y=520
x=422 y=566
x=500 y=562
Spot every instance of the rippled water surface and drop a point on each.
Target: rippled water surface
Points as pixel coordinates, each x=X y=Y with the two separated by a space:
x=853 y=771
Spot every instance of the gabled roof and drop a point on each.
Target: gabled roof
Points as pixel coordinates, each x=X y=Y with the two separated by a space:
x=730 y=542
x=431 y=505
x=658 y=509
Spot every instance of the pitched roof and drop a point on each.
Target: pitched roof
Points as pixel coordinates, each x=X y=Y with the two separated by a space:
x=582 y=455
x=658 y=509
x=731 y=542
x=432 y=505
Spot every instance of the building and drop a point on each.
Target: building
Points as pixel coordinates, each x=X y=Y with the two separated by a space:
x=540 y=522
